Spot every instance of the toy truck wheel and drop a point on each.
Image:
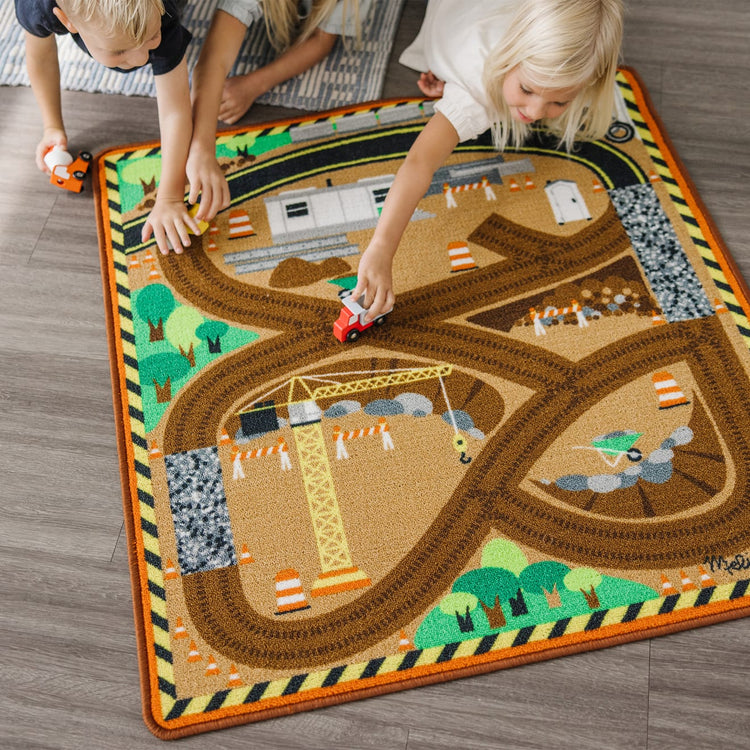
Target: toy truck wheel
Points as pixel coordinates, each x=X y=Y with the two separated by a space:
x=379 y=321
x=353 y=335
x=78 y=174
x=620 y=132
x=86 y=156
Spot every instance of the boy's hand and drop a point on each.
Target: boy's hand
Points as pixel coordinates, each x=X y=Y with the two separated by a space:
x=207 y=180
x=50 y=137
x=374 y=280
x=168 y=222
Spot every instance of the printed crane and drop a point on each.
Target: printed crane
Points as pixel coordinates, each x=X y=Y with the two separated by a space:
x=338 y=572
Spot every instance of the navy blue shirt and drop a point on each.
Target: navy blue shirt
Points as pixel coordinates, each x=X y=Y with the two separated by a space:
x=37 y=18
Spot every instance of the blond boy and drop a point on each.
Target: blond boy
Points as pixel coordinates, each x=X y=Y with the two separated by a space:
x=123 y=35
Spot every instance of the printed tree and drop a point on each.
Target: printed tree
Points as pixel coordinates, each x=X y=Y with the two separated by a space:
x=546 y=578
x=180 y=331
x=162 y=370
x=146 y=171
x=460 y=605
x=585 y=580
x=491 y=586
x=501 y=553
x=154 y=305
x=212 y=331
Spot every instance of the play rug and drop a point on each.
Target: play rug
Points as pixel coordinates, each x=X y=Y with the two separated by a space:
x=543 y=449
x=347 y=76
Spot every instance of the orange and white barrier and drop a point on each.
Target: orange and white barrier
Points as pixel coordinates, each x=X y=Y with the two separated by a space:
x=381 y=428
x=657 y=319
x=483 y=184
x=460 y=257
x=720 y=307
x=239 y=456
x=290 y=596
x=239 y=224
x=553 y=312
x=667 y=390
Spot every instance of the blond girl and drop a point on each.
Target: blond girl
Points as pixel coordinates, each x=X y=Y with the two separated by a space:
x=504 y=65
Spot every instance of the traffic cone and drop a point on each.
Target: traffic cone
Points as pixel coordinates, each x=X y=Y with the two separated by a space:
x=529 y=184
x=148 y=257
x=667 y=390
x=224 y=439
x=245 y=556
x=234 y=678
x=213 y=667
x=460 y=257
x=653 y=176
x=239 y=224
x=133 y=262
x=194 y=655
x=686 y=583
x=154 y=451
x=719 y=306
x=597 y=186
x=514 y=186
x=657 y=319
x=667 y=589
x=404 y=644
x=706 y=580
x=212 y=246
x=170 y=572
x=180 y=631
x=290 y=597
x=153 y=274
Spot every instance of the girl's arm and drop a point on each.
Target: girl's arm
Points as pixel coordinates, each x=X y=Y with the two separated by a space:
x=169 y=219
x=374 y=276
x=241 y=91
x=218 y=53
x=44 y=74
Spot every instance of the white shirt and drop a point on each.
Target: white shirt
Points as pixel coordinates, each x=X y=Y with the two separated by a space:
x=455 y=39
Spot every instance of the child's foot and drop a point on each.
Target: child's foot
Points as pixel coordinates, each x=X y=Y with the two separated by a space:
x=237 y=97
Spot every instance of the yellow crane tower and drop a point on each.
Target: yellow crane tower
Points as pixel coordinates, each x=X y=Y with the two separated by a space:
x=338 y=572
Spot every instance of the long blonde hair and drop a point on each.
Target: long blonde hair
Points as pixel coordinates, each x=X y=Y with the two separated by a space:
x=559 y=44
x=283 y=20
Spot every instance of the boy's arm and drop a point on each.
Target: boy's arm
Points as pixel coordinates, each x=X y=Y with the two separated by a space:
x=44 y=74
x=374 y=275
x=169 y=218
x=217 y=55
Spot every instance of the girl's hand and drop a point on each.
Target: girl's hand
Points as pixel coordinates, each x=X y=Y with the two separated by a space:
x=50 y=137
x=207 y=180
x=168 y=221
x=430 y=85
x=374 y=281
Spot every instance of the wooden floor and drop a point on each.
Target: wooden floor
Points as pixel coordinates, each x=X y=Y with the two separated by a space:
x=68 y=672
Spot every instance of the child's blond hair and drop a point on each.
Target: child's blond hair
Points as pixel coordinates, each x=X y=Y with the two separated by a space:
x=130 y=18
x=559 y=44
x=283 y=20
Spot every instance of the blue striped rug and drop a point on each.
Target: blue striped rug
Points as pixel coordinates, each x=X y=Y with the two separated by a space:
x=347 y=76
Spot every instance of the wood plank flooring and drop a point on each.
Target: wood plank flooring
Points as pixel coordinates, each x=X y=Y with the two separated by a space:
x=69 y=676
